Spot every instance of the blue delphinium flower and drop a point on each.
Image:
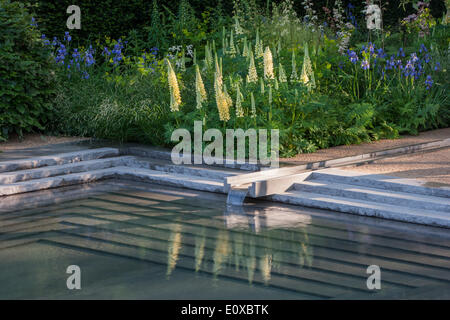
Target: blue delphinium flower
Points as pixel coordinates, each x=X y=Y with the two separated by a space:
x=400 y=52
x=429 y=82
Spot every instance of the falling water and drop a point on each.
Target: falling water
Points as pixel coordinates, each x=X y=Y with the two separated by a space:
x=236 y=197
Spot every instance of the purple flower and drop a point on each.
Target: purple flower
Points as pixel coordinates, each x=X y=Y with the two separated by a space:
x=67 y=36
x=353 y=57
x=106 y=52
x=414 y=57
x=365 y=64
x=437 y=67
x=61 y=54
x=380 y=53
x=409 y=69
x=429 y=82
x=401 y=52
x=423 y=48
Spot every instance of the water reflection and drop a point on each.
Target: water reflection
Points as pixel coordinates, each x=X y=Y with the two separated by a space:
x=174 y=248
x=252 y=245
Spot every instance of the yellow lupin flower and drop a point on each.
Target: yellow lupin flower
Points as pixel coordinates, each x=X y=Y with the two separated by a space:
x=268 y=64
x=294 y=76
x=307 y=76
x=218 y=73
x=232 y=48
x=239 y=109
x=258 y=46
x=252 y=74
x=281 y=74
x=199 y=85
x=175 y=96
x=222 y=101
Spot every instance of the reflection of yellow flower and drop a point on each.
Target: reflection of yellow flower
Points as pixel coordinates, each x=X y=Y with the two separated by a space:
x=173 y=249
x=175 y=99
x=251 y=262
x=199 y=251
x=265 y=266
x=238 y=249
x=221 y=252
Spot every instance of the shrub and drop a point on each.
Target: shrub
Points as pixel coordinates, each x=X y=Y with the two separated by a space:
x=27 y=78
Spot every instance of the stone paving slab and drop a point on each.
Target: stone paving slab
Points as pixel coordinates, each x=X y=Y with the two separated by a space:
x=57 y=159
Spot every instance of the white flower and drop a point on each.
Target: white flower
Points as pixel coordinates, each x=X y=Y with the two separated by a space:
x=268 y=64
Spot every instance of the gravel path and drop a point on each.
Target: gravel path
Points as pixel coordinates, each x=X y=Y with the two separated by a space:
x=32 y=140
x=351 y=150
x=432 y=167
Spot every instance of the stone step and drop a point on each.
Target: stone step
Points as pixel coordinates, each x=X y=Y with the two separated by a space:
x=54 y=182
x=219 y=173
x=172 y=179
x=376 y=195
x=159 y=177
x=366 y=208
x=378 y=181
x=57 y=159
x=68 y=168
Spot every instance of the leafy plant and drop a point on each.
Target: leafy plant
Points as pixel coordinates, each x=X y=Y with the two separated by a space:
x=27 y=75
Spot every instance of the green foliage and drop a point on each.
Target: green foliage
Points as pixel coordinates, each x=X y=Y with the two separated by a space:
x=129 y=99
x=26 y=73
x=126 y=107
